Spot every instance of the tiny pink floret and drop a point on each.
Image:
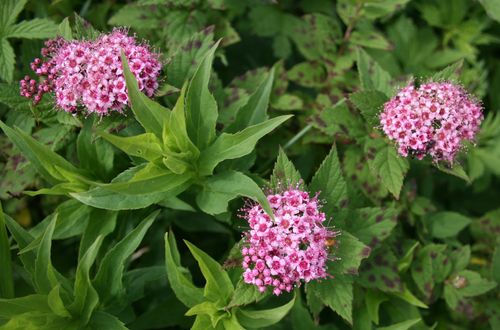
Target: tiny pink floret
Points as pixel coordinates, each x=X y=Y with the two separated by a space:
x=433 y=119
x=89 y=74
x=281 y=253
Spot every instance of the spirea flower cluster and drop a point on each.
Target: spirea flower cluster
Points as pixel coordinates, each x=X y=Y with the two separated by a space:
x=433 y=119
x=89 y=74
x=280 y=253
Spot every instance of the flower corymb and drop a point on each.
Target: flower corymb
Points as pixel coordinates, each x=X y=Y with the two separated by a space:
x=433 y=119
x=280 y=253
x=89 y=74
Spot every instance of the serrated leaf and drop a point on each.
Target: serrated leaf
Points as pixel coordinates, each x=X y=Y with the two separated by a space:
x=219 y=189
x=179 y=277
x=451 y=72
x=263 y=318
x=7 y=60
x=245 y=294
x=372 y=225
x=218 y=286
x=64 y=29
x=350 y=252
x=371 y=75
x=329 y=182
x=386 y=164
x=108 y=280
x=38 y=28
x=231 y=146
x=370 y=103
x=284 y=173
x=9 y=10
x=455 y=170
x=336 y=293
x=308 y=74
x=187 y=55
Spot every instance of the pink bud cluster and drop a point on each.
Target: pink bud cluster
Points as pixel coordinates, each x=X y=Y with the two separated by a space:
x=280 y=253
x=433 y=119
x=90 y=74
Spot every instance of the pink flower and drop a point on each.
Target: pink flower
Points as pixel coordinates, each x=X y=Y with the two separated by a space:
x=433 y=119
x=280 y=253
x=89 y=73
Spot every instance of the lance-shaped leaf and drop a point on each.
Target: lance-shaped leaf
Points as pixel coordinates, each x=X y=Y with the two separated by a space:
x=56 y=303
x=21 y=305
x=371 y=75
x=219 y=189
x=44 y=277
x=42 y=157
x=147 y=145
x=255 y=110
x=336 y=293
x=38 y=28
x=136 y=188
x=86 y=297
x=100 y=223
x=108 y=281
x=150 y=114
x=6 y=279
x=175 y=135
x=231 y=146
x=23 y=238
x=179 y=277
x=263 y=318
x=201 y=107
x=218 y=286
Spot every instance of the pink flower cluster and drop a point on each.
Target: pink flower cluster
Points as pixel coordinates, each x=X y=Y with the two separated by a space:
x=280 y=253
x=433 y=119
x=89 y=73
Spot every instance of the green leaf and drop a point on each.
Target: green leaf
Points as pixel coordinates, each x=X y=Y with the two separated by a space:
x=492 y=8
x=407 y=296
x=308 y=74
x=372 y=225
x=255 y=110
x=38 y=28
x=455 y=170
x=370 y=38
x=175 y=135
x=147 y=145
x=9 y=10
x=150 y=114
x=55 y=302
x=100 y=223
x=373 y=299
x=188 y=55
x=40 y=156
x=6 y=279
x=86 y=297
x=23 y=238
x=219 y=189
x=231 y=146
x=336 y=293
x=179 y=277
x=451 y=72
x=380 y=271
x=370 y=103
x=64 y=29
x=385 y=163
x=284 y=173
x=218 y=286
x=201 y=107
x=470 y=284
x=446 y=224
x=21 y=305
x=103 y=320
x=44 y=276
x=263 y=318
x=350 y=252
x=108 y=281
x=495 y=263
x=245 y=294
x=94 y=155
x=405 y=325
x=371 y=75
x=7 y=60
x=329 y=182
